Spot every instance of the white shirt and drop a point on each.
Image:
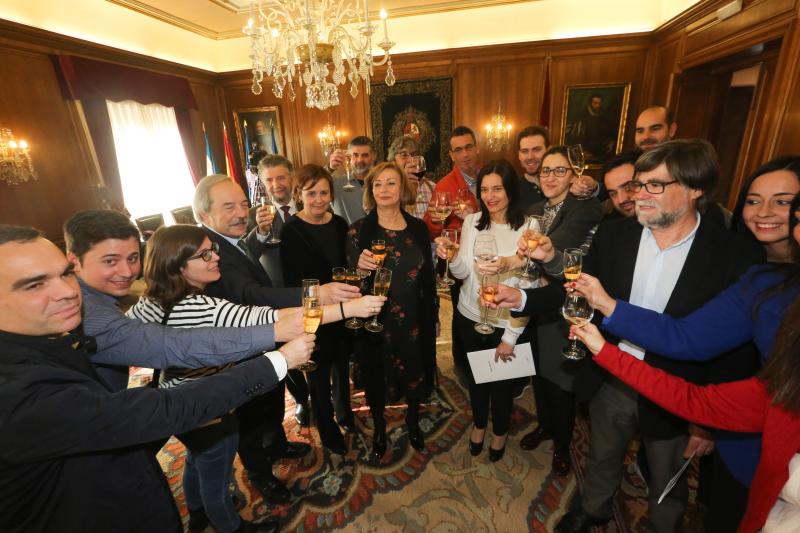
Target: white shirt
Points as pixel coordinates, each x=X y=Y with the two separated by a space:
x=463 y=266
x=655 y=276
x=233 y=240
x=292 y=209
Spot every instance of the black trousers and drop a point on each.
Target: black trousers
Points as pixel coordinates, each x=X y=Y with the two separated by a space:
x=727 y=499
x=555 y=408
x=262 y=440
x=319 y=382
x=485 y=398
x=297 y=386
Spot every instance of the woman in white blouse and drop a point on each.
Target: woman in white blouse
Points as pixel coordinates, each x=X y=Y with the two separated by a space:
x=500 y=215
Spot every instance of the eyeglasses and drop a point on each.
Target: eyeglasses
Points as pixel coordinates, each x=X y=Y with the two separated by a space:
x=205 y=254
x=559 y=172
x=653 y=187
x=406 y=155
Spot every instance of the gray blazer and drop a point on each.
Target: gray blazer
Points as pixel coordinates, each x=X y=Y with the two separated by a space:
x=348 y=204
x=269 y=255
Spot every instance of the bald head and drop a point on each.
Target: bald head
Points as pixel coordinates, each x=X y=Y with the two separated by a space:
x=654 y=126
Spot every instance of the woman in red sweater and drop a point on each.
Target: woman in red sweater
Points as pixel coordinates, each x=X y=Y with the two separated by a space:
x=768 y=404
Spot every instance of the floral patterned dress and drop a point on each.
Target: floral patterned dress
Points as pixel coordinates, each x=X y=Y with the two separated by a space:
x=400 y=338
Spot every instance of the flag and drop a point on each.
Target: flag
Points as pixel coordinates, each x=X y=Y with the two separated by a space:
x=544 y=112
x=211 y=166
x=230 y=162
x=274 y=142
x=246 y=138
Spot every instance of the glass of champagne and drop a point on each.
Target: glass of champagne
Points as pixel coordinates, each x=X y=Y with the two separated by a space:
x=380 y=287
x=577 y=311
x=266 y=202
x=441 y=207
x=573 y=263
x=353 y=277
x=348 y=169
x=577 y=160
x=378 y=249
x=488 y=291
x=451 y=241
x=533 y=233
x=339 y=274
x=312 y=316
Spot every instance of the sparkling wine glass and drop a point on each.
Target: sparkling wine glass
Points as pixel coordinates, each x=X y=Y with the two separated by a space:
x=533 y=233
x=451 y=242
x=353 y=277
x=573 y=264
x=380 y=287
x=441 y=207
x=378 y=249
x=485 y=249
x=577 y=311
x=488 y=291
x=577 y=160
x=348 y=169
x=312 y=316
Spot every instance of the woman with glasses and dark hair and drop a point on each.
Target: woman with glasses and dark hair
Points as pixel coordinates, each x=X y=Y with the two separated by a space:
x=568 y=222
x=499 y=219
x=749 y=310
x=179 y=263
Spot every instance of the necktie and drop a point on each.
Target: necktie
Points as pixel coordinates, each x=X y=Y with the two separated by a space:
x=243 y=247
x=286 y=214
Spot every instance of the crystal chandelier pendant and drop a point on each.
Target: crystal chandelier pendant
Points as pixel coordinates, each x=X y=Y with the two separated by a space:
x=498 y=132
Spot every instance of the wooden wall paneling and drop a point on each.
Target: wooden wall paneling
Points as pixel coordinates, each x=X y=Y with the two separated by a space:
x=787 y=94
x=665 y=59
x=208 y=113
x=31 y=105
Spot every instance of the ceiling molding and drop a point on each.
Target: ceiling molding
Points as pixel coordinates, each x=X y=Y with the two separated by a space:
x=169 y=18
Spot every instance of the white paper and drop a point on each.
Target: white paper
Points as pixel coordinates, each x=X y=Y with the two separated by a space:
x=485 y=369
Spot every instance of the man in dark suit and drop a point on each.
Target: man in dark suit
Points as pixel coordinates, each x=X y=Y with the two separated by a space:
x=669 y=259
x=222 y=207
x=277 y=176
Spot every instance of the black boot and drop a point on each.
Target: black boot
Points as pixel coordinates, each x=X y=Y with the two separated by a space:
x=379 y=440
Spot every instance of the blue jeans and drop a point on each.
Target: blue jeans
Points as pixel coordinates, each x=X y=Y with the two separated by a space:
x=206 y=478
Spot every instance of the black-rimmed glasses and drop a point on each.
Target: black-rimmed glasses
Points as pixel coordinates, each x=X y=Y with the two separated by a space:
x=205 y=254
x=559 y=172
x=653 y=187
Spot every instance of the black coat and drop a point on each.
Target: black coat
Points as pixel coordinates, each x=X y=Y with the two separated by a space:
x=74 y=456
x=270 y=256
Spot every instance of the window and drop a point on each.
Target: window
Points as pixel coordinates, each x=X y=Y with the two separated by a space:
x=152 y=163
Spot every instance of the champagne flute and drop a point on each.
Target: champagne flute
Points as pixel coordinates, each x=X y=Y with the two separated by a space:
x=533 y=233
x=462 y=199
x=348 y=168
x=577 y=311
x=378 y=249
x=353 y=277
x=441 y=207
x=380 y=287
x=451 y=240
x=488 y=291
x=573 y=264
x=312 y=316
x=577 y=160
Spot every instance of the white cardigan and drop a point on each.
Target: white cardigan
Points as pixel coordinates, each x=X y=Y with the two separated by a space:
x=463 y=267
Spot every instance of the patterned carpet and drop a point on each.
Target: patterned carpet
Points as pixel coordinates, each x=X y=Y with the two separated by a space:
x=443 y=489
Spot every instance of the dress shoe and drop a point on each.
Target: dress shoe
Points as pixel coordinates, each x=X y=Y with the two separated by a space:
x=475 y=448
x=349 y=425
x=578 y=521
x=270 y=525
x=415 y=438
x=302 y=414
x=379 y=443
x=496 y=455
x=335 y=443
x=532 y=440
x=560 y=463
x=198 y=521
x=272 y=489
x=296 y=450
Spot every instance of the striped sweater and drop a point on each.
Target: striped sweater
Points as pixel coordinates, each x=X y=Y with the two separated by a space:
x=198 y=310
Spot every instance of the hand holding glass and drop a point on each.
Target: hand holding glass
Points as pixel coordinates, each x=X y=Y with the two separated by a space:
x=577 y=311
x=348 y=168
x=353 y=277
x=380 y=287
x=573 y=264
x=450 y=246
x=312 y=316
x=533 y=233
x=489 y=284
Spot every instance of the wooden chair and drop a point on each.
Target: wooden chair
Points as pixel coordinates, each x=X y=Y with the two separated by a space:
x=183 y=215
x=149 y=224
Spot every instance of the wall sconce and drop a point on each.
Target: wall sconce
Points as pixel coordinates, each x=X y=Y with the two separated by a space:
x=15 y=159
x=498 y=132
x=330 y=139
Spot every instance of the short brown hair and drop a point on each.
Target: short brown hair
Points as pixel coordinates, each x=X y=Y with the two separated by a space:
x=307 y=177
x=167 y=252
x=406 y=197
x=403 y=142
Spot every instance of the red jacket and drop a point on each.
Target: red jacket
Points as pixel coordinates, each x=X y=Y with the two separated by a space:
x=741 y=406
x=449 y=183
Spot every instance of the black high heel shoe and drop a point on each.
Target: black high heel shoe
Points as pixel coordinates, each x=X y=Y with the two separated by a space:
x=475 y=448
x=415 y=438
x=379 y=443
x=496 y=455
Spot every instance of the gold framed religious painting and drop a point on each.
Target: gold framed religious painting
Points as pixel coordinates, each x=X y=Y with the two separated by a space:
x=594 y=116
x=258 y=128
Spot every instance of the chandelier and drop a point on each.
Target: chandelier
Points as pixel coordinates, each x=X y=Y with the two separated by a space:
x=498 y=132
x=15 y=160
x=319 y=43
x=330 y=139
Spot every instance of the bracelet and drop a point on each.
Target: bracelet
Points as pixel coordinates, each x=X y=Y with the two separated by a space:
x=341 y=309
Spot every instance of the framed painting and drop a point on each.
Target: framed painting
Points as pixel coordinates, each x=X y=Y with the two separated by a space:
x=594 y=116
x=422 y=109
x=258 y=128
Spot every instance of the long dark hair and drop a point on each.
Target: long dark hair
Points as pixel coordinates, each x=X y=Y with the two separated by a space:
x=781 y=374
x=790 y=270
x=790 y=163
x=506 y=171
x=167 y=252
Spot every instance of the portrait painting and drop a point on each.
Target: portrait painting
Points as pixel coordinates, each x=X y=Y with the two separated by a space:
x=594 y=116
x=258 y=129
x=421 y=109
